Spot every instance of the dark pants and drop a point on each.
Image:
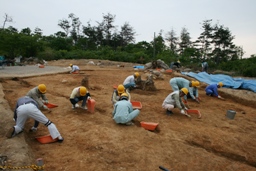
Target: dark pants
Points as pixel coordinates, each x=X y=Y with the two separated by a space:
x=77 y=99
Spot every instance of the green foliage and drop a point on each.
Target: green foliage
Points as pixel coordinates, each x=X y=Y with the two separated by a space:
x=105 y=42
x=244 y=67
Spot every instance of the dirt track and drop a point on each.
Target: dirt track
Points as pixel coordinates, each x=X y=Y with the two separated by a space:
x=95 y=142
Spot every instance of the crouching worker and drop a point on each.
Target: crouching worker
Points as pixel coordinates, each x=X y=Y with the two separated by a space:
x=129 y=82
x=26 y=108
x=74 y=68
x=123 y=112
x=79 y=94
x=38 y=94
x=212 y=90
x=173 y=100
x=193 y=92
x=116 y=96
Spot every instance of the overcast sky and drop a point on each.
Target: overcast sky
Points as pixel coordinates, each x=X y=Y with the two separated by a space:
x=145 y=16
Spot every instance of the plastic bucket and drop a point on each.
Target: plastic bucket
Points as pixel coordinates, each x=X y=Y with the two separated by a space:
x=231 y=114
x=91 y=105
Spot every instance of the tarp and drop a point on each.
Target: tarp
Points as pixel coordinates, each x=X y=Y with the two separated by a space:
x=228 y=81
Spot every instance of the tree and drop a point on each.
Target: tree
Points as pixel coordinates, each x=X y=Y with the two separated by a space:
x=90 y=37
x=159 y=43
x=184 y=40
x=26 y=31
x=173 y=40
x=106 y=27
x=38 y=32
x=75 y=32
x=12 y=29
x=224 y=47
x=65 y=25
x=127 y=34
x=7 y=18
x=205 y=39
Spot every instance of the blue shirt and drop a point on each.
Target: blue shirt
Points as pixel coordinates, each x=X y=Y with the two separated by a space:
x=214 y=89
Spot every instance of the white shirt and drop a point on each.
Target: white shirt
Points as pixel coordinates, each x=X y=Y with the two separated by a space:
x=129 y=79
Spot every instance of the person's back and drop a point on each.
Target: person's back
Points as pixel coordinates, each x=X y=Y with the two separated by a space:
x=123 y=107
x=129 y=82
x=129 y=79
x=74 y=68
x=123 y=111
x=178 y=83
x=204 y=66
x=38 y=92
x=170 y=99
x=212 y=89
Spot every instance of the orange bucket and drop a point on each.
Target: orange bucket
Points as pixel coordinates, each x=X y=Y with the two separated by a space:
x=51 y=105
x=115 y=86
x=91 y=105
x=75 y=72
x=136 y=105
x=41 y=66
x=194 y=111
x=151 y=126
x=46 y=139
x=168 y=70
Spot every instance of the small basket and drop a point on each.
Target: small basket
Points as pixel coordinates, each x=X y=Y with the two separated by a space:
x=91 y=105
x=51 y=105
x=151 y=126
x=194 y=111
x=168 y=71
x=46 y=139
x=136 y=105
x=115 y=86
x=75 y=72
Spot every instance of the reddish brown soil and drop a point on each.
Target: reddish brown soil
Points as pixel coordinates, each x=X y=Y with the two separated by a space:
x=94 y=142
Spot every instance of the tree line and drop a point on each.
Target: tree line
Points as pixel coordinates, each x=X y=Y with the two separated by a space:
x=106 y=41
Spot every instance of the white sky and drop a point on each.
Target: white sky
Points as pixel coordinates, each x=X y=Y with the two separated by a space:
x=145 y=16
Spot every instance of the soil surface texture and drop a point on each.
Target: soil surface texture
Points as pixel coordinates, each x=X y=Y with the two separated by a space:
x=93 y=141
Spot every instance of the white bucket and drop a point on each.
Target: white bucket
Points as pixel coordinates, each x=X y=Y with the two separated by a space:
x=231 y=114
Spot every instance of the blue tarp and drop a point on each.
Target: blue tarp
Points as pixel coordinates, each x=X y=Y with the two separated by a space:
x=229 y=82
x=139 y=67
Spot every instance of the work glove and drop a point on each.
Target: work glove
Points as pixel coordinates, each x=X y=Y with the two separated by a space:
x=196 y=99
x=220 y=97
x=88 y=98
x=45 y=107
x=45 y=102
x=186 y=108
x=182 y=112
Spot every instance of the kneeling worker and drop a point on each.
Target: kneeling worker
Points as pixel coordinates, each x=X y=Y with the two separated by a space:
x=74 y=68
x=79 y=94
x=212 y=90
x=123 y=112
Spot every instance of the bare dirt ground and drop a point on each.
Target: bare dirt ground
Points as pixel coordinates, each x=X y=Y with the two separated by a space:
x=94 y=142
